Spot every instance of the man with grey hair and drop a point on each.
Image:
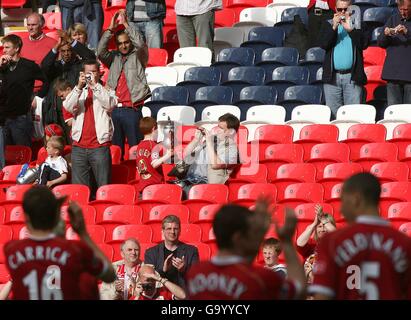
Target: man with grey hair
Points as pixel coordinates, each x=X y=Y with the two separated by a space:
x=127 y=272
x=172 y=258
x=343 y=67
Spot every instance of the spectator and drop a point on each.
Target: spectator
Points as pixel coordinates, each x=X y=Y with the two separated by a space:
x=78 y=32
x=52 y=130
x=92 y=130
x=195 y=21
x=215 y=155
x=343 y=67
x=230 y=274
x=54 y=170
x=69 y=259
x=271 y=251
x=88 y=12
x=127 y=77
x=306 y=245
x=151 y=286
x=150 y=155
x=19 y=75
x=397 y=66
x=319 y=11
x=62 y=88
x=147 y=18
x=127 y=272
x=368 y=259
x=172 y=258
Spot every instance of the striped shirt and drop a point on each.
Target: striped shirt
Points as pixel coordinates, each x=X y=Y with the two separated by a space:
x=196 y=7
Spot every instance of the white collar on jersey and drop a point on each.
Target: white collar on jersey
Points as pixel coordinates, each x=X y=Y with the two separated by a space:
x=223 y=261
x=372 y=220
x=44 y=238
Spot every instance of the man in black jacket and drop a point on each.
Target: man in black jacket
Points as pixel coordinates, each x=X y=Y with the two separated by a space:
x=343 y=67
x=19 y=75
x=172 y=258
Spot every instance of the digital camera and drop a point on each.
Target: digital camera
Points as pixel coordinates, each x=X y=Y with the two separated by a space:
x=89 y=77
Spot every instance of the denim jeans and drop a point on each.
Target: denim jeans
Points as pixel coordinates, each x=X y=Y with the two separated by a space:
x=341 y=92
x=152 y=31
x=93 y=27
x=97 y=160
x=398 y=92
x=18 y=131
x=126 y=124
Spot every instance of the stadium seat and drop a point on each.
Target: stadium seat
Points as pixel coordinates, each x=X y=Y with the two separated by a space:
x=4 y=274
x=407 y=157
x=335 y=201
x=115 y=152
x=7 y=4
x=120 y=174
x=116 y=215
x=9 y=176
x=230 y=37
x=24 y=233
x=16 y=220
x=265 y=15
x=89 y=214
x=374 y=56
x=239 y=5
x=166 y=96
x=313 y=134
x=313 y=60
x=2 y=215
x=15 y=154
x=278 y=154
x=189 y=233
x=351 y=114
x=224 y=18
x=287 y=18
x=158 y=194
x=390 y=171
x=204 y=251
x=375 y=34
x=6 y=234
x=336 y=173
x=272 y=58
x=395 y=115
x=142 y=233
x=406 y=228
x=197 y=77
x=199 y=55
x=161 y=76
x=158 y=213
x=246 y=173
x=249 y=193
x=306 y=214
x=207 y=213
x=157 y=57
x=374 y=79
x=269 y=134
x=293 y=173
x=399 y=213
x=299 y=193
x=74 y=192
x=211 y=114
x=392 y=192
x=2 y=257
x=107 y=250
x=361 y=134
x=298 y=95
x=211 y=95
x=253 y=96
x=372 y=153
x=376 y=17
x=401 y=136
x=96 y=232
x=184 y=115
x=16 y=193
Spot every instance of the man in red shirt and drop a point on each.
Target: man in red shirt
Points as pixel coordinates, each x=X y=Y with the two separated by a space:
x=230 y=275
x=47 y=267
x=367 y=259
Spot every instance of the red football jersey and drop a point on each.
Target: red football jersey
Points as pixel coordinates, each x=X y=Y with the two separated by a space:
x=49 y=268
x=230 y=278
x=367 y=260
x=160 y=294
x=147 y=151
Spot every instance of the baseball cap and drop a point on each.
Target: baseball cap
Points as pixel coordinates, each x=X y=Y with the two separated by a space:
x=53 y=130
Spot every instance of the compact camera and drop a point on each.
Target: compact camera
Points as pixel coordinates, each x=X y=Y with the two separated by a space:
x=89 y=77
x=343 y=18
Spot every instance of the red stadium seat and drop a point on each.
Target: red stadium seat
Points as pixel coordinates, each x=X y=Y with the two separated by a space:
x=209 y=237
x=335 y=173
x=249 y=193
x=360 y=134
x=335 y=201
x=269 y=134
x=190 y=233
x=120 y=174
x=372 y=153
x=293 y=173
x=224 y=18
x=406 y=228
x=9 y=176
x=158 y=213
x=96 y=232
x=204 y=251
x=2 y=215
x=324 y=154
x=2 y=257
x=24 y=233
x=107 y=250
x=158 y=194
x=204 y=194
x=392 y=192
x=390 y=171
x=115 y=152
x=74 y=192
x=399 y=213
x=4 y=273
x=299 y=193
x=6 y=4
x=246 y=173
x=314 y=134
x=374 y=56
x=114 y=216
x=15 y=154
x=206 y=217
x=16 y=220
x=407 y=158
x=279 y=154
x=6 y=234
x=401 y=136
x=16 y=193
x=142 y=233
x=374 y=80
x=89 y=214
x=157 y=57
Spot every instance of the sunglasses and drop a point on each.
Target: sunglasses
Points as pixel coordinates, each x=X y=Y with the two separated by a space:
x=342 y=9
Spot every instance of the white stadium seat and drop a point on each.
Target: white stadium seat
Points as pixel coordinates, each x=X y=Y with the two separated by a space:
x=267 y=16
x=395 y=115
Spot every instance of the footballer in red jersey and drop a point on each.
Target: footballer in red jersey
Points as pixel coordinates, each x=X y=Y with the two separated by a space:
x=230 y=275
x=367 y=259
x=47 y=267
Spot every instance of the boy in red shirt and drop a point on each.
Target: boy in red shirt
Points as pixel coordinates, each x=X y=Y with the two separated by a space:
x=150 y=155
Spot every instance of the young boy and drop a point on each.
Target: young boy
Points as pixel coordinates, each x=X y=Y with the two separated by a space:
x=54 y=170
x=149 y=155
x=52 y=130
x=271 y=251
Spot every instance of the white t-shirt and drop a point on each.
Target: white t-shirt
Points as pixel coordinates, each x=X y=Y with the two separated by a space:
x=59 y=164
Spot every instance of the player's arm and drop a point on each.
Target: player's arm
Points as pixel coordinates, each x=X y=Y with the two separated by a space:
x=78 y=225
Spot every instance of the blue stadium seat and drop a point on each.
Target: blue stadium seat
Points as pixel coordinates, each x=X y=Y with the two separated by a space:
x=262 y=38
x=240 y=77
x=318 y=82
x=255 y=95
x=198 y=77
x=314 y=58
x=367 y=4
x=233 y=57
x=298 y=95
x=374 y=36
x=166 y=96
x=376 y=17
x=287 y=18
x=284 y=77
x=211 y=95
x=272 y=58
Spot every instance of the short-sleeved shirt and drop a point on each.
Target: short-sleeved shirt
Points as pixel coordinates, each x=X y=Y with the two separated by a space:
x=367 y=260
x=231 y=278
x=147 y=151
x=59 y=164
x=49 y=268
